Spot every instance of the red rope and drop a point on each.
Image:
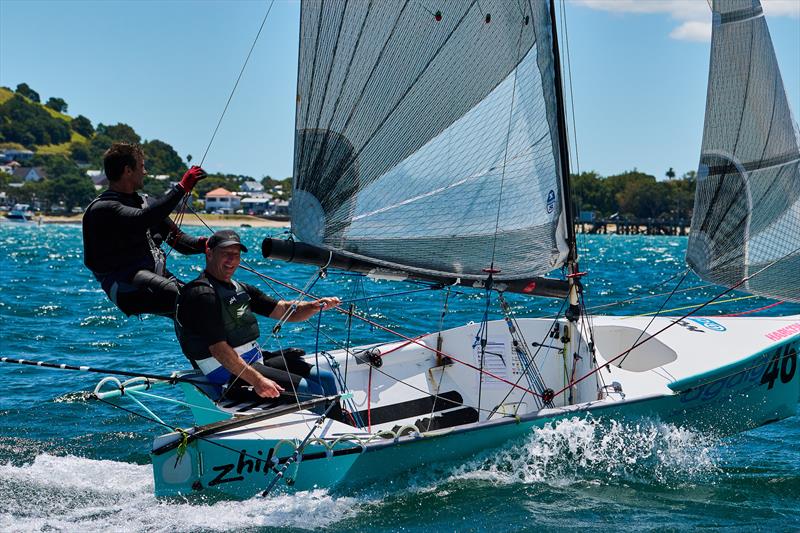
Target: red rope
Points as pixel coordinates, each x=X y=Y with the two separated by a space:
x=653 y=336
x=401 y=345
x=396 y=333
x=754 y=310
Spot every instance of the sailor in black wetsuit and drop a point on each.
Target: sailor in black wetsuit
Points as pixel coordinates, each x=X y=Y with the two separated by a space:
x=123 y=232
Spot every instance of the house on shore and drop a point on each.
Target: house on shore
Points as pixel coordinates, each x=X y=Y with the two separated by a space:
x=221 y=200
x=9 y=154
x=29 y=173
x=98 y=178
x=256 y=205
x=252 y=187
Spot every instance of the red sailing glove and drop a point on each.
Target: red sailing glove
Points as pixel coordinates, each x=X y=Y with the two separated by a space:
x=190 y=179
x=202 y=243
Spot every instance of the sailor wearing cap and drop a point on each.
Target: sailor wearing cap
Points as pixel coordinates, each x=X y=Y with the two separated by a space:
x=218 y=330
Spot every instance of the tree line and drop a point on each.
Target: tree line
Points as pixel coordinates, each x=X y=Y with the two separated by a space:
x=66 y=147
x=635 y=194
x=27 y=123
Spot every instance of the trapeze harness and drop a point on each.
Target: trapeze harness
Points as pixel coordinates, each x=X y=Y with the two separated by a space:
x=241 y=331
x=119 y=281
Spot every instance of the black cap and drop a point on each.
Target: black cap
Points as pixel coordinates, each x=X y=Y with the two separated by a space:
x=225 y=237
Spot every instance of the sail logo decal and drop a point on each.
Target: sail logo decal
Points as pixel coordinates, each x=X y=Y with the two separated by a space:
x=709 y=324
x=778 y=365
x=551 y=201
x=782 y=333
x=243 y=466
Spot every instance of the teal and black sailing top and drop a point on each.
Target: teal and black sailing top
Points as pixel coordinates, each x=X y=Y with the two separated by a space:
x=210 y=311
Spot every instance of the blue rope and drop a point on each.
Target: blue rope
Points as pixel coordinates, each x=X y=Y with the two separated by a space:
x=334 y=366
x=391 y=294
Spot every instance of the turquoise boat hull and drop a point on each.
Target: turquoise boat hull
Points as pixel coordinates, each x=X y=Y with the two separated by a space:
x=755 y=391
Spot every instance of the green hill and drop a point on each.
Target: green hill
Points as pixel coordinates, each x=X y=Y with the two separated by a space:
x=5 y=94
x=48 y=130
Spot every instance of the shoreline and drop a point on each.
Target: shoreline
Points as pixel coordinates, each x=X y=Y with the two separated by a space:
x=229 y=221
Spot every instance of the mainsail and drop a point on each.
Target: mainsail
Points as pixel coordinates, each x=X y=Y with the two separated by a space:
x=747 y=207
x=426 y=136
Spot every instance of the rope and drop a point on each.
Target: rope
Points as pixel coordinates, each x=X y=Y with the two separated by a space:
x=661 y=284
x=185 y=202
x=392 y=294
x=683 y=308
x=533 y=357
x=770 y=306
x=398 y=334
x=414 y=387
x=674 y=322
x=179 y=430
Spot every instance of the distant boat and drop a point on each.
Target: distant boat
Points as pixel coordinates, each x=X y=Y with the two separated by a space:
x=20 y=213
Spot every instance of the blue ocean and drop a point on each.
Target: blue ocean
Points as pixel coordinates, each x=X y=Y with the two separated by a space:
x=70 y=463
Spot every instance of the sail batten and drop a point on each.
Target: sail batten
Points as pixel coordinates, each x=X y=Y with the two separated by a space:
x=746 y=219
x=426 y=134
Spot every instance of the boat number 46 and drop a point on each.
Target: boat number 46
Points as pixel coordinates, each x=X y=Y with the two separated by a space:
x=782 y=365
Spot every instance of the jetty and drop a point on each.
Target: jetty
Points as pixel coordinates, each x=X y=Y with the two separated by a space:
x=633 y=226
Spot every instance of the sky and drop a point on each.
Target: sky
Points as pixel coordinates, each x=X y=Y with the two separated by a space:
x=639 y=73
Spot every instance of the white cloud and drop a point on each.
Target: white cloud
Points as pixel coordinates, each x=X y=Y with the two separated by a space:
x=692 y=31
x=695 y=15
x=781 y=8
x=677 y=9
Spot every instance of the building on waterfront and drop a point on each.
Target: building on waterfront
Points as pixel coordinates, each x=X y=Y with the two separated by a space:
x=29 y=173
x=256 y=205
x=98 y=178
x=221 y=200
x=9 y=154
x=281 y=208
x=252 y=187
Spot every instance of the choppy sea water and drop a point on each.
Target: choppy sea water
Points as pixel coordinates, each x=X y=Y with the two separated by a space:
x=71 y=464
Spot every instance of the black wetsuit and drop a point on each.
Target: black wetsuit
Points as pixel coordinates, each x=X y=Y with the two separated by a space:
x=200 y=323
x=122 y=236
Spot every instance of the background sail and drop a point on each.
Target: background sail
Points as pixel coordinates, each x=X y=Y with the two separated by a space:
x=418 y=140
x=747 y=205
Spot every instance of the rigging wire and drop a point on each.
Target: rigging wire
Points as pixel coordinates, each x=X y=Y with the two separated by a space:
x=185 y=202
x=536 y=353
x=655 y=315
x=177 y=429
x=687 y=315
x=568 y=64
x=683 y=308
x=393 y=332
x=235 y=85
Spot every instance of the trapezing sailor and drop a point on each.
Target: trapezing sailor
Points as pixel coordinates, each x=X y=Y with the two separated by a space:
x=123 y=232
x=218 y=331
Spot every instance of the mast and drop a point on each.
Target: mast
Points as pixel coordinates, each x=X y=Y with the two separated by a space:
x=573 y=313
x=572 y=258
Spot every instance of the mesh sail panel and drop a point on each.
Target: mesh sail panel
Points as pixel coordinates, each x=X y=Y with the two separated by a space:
x=747 y=205
x=429 y=145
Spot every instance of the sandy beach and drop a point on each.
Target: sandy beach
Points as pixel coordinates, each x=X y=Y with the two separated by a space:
x=234 y=221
